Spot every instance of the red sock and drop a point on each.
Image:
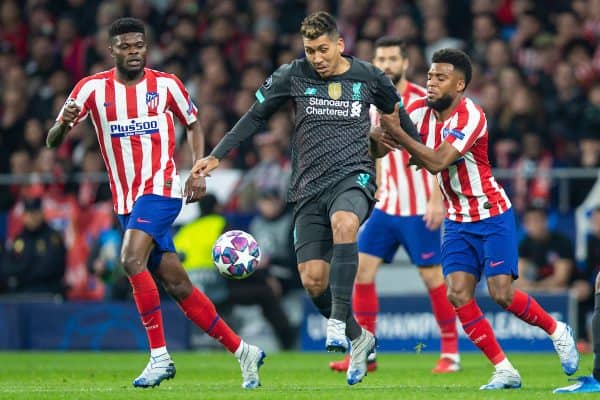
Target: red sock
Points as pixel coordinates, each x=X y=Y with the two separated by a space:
x=479 y=330
x=365 y=305
x=527 y=309
x=201 y=311
x=147 y=301
x=446 y=319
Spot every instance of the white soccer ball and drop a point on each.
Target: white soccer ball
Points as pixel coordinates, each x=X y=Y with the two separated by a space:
x=236 y=254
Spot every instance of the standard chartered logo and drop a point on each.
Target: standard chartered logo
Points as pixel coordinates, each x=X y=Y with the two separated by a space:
x=356 y=109
x=339 y=108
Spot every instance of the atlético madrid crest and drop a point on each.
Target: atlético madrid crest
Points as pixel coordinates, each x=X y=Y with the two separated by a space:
x=152 y=101
x=334 y=90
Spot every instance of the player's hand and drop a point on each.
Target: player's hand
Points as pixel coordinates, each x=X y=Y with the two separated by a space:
x=381 y=136
x=70 y=112
x=204 y=166
x=391 y=122
x=195 y=188
x=434 y=214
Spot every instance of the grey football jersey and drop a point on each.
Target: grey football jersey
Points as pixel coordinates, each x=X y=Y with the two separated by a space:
x=332 y=123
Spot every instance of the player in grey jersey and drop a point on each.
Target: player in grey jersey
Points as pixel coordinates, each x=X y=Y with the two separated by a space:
x=332 y=182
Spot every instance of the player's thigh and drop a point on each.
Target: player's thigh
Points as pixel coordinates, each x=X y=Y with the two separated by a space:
x=459 y=251
x=135 y=251
x=421 y=244
x=367 y=268
x=431 y=275
x=500 y=249
x=155 y=215
x=352 y=200
x=378 y=238
x=313 y=238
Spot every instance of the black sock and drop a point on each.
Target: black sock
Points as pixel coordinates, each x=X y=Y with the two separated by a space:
x=323 y=304
x=344 y=264
x=596 y=337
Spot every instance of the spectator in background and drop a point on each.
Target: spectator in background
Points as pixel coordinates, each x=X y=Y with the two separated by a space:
x=272 y=170
x=583 y=282
x=272 y=229
x=104 y=263
x=35 y=261
x=194 y=242
x=545 y=256
x=531 y=180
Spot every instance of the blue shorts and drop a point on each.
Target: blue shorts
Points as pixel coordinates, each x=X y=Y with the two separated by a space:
x=382 y=234
x=154 y=215
x=489 y=245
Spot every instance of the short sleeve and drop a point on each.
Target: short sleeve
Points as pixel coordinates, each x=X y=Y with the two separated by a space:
x=470 y=124
x=81 y=95
x=181 y=103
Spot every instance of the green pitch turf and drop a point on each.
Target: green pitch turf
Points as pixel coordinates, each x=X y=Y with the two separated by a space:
x=286 y=376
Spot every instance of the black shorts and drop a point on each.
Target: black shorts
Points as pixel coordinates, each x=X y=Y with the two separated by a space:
x=313 y=236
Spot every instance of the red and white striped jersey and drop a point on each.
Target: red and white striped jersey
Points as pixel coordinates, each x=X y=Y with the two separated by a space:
x=402 y=190
x=470 y=191
x=136 y=131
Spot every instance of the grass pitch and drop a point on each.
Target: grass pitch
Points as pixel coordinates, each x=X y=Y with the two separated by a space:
x=286 y=376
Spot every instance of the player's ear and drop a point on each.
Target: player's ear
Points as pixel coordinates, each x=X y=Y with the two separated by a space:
x=341 y=45
x=460 y=85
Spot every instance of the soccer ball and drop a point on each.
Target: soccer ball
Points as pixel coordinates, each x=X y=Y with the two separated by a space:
x=236 y=254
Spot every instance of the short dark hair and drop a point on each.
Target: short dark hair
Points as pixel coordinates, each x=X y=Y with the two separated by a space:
x=536 y=209
x=126 y=25
x=318 y=24
x=458 y=58
x=391 y=41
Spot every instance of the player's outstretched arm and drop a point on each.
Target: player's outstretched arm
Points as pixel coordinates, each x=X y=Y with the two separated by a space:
x=57 y=133
x=195 y=186
x=433 y=160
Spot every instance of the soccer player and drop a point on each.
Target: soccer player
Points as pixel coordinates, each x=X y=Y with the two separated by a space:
x=332 y=182
x=590 y=384
x=479 y=229
x=408 y=213
x=132 y=109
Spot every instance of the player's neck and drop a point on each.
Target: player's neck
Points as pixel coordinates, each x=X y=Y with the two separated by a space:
x=342 y=67
x=129 y=79
x=444 y=114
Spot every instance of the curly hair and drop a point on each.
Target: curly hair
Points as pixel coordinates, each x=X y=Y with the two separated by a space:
x=458 y=58
x=318 y=24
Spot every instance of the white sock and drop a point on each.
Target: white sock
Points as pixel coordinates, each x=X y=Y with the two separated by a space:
x=504 y=364
x=240 y=349
x=160 y=353
x=453 y=356
x=560 y=327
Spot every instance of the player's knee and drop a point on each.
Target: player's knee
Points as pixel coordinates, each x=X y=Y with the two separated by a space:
x=313 y=283
x=132 y=263
x=179 y=290
x=459 y=297
x=344 y=226
x=502 y=297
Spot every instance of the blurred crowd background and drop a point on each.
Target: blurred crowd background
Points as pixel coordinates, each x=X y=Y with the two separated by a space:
x=536 y=75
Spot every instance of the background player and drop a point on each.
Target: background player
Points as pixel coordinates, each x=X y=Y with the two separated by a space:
x=332 y=182
x=408 y=213
x=132 y=110
x=479 y=230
